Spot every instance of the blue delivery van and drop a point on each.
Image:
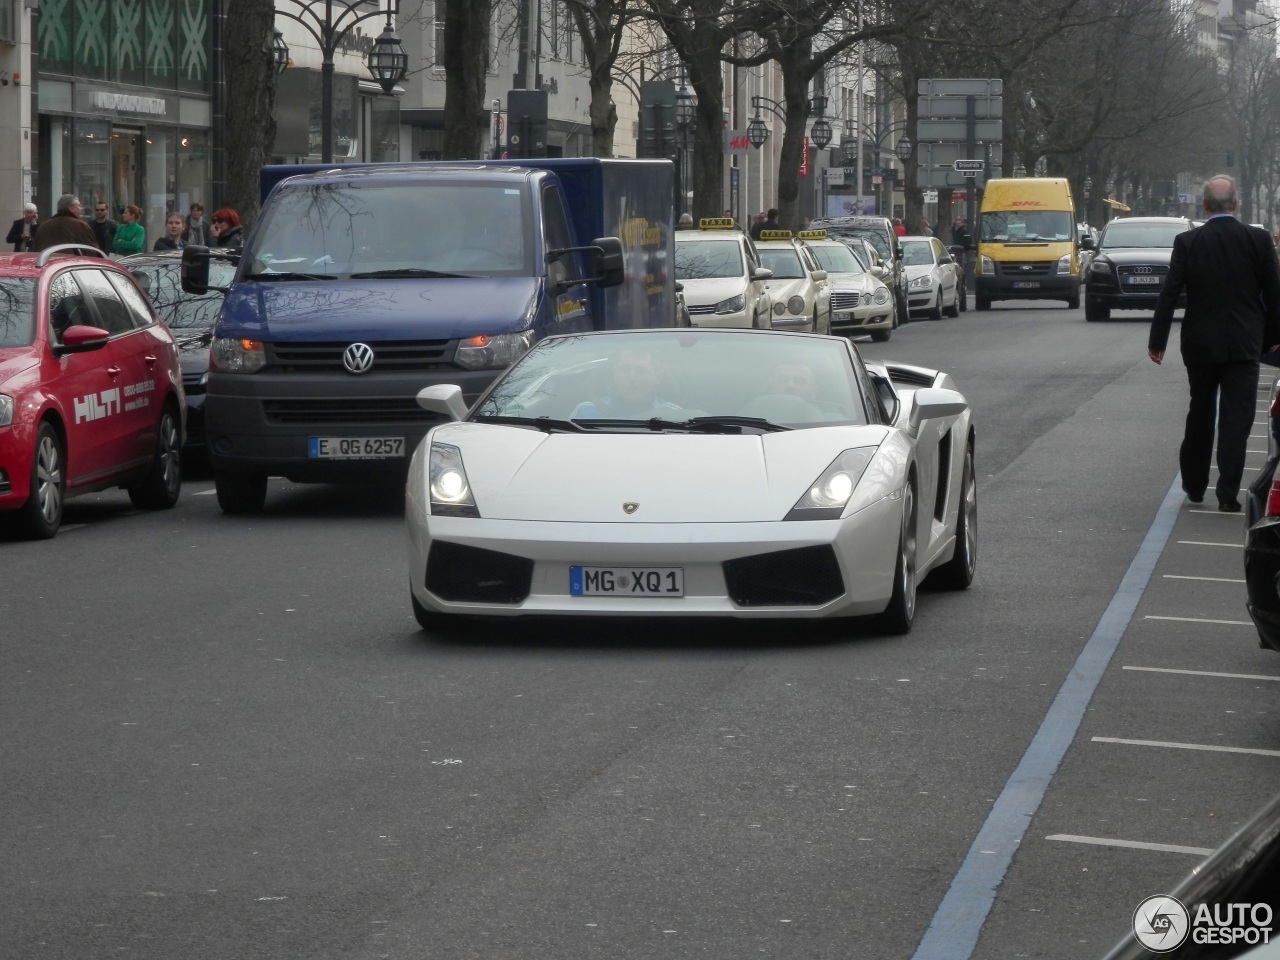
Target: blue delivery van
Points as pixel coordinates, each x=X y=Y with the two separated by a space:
x=359 y=285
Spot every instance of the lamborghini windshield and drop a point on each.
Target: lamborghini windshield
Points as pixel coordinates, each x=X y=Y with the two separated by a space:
x=630 y=378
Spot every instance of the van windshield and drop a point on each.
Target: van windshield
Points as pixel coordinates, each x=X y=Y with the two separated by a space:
x=1021 y=226
x=340 y=229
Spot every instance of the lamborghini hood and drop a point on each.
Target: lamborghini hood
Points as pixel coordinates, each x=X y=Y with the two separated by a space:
x=521 y=474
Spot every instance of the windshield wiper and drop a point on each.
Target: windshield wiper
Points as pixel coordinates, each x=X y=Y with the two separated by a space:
x=407 y=272
x=722 y=424
x=545 y=424
x=287 y=275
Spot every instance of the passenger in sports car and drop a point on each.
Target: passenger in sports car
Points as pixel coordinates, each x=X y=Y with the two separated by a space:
x=635 y=375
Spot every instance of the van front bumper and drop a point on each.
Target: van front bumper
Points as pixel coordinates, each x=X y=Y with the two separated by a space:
x=1064 y=287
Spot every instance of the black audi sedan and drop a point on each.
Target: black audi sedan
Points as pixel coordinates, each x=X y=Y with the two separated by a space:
x=1262 y=539
x=189 y=317
x=1130 y=265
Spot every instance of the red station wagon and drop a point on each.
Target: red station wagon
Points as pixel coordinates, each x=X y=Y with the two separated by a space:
x=90 y=388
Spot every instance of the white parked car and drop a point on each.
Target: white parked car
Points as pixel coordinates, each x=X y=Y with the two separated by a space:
x=934 y=280
x=723 y=281
x=798 y=286
x=693 y=473
x=860 y=301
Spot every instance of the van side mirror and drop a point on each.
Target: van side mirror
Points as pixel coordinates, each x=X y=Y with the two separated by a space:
x=1086 y=243
x=195 y=269
x=607 y=263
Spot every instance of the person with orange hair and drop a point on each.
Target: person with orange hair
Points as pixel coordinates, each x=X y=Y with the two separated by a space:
x=226 y=229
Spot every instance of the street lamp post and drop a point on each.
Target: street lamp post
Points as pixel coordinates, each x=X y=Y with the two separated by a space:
x=851 y=142
x=686 y=105
x=387 y=60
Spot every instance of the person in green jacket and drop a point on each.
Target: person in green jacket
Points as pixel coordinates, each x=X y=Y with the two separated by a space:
x=130 y=236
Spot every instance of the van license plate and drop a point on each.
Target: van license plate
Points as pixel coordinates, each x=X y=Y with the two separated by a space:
x=355 y=448
x=1026 y=284
x=626 y=581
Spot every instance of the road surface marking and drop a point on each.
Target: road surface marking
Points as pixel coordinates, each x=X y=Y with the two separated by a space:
x=1237 y=623
x=1206 y=673
x=1210 y=543
x=1217 y=513
x=956 y=925
x=1211 y=747
x=1131 y=844
x=1175 y=576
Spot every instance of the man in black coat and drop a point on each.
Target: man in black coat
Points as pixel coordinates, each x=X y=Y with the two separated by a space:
x=24 y=228
x=1229 y=272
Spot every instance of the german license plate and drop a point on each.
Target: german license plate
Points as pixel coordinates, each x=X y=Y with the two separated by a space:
x=1026 y=284
x=1142 y=280
x=626 y=581
x=354 y=448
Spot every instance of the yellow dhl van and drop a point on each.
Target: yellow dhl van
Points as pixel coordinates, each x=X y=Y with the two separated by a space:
x=1027 y=242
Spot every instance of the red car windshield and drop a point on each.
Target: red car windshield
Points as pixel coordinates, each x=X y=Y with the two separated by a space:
x=17 y=313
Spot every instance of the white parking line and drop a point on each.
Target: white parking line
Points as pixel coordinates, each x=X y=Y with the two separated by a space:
x=1131 y=844
x=1206 y=673
x=1233 y=623
x=1212 y=747
x=1175 y=576
x=1209 y=543
x=1217 y=513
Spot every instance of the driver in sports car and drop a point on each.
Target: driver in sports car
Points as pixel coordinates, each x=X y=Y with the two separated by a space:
x=634 y=375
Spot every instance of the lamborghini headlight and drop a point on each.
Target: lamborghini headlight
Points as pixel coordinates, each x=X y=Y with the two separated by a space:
x=450 y=490
x=827 y=496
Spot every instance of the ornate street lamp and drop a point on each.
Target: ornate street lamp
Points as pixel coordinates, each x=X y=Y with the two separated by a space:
x=757 y=132
x=686 y=106
x=388 y=62
x=820 y=132
x=903 y=149
x=1087 y=188
x=279 y=52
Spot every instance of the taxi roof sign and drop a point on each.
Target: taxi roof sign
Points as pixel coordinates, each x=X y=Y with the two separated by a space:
x=774 y=235
x=812 y=235
x=717 y=223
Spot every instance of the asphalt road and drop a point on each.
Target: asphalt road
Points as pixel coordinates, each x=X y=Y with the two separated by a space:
x=226 y=737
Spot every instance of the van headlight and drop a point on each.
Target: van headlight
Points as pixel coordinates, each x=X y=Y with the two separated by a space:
x=492 y=352
x=236 y=355
x=447 y=483
x=1064 y=264
x=988 y=267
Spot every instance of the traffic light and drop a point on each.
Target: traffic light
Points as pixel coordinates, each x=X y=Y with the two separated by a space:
x=526 y=124
x=657 y=120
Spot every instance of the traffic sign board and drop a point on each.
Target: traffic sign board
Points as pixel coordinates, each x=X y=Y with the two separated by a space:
x=957 y=107
x=969 y=173
x=947 y=177
x=959 y=88
x=963 y=165
x=946 y=154
x=947 y=130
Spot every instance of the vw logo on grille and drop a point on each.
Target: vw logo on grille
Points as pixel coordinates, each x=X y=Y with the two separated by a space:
x=1141 y=269
x=358 y=358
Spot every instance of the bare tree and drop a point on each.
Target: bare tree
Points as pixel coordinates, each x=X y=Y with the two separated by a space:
x=601 y=26
x=251 y=101
x=1253 y=90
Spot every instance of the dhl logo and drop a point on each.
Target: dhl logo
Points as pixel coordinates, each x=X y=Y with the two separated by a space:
x=1026 y=203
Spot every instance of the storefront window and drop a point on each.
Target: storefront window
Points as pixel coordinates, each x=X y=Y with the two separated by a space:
x=91 y=157
x=193 y=44
x=160 y=43
x=127 y=41
x=384 y=129
x=160 y=182
x=55 y=162
x=193 y=171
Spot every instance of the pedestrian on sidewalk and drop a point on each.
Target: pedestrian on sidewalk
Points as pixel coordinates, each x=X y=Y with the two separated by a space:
x=1229 y=272
x=65 y=226
x=173 y=230
x=130 y=236
x=24 y=229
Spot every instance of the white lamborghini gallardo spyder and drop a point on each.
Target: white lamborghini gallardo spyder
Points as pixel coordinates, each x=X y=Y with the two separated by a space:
x=687 y=473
